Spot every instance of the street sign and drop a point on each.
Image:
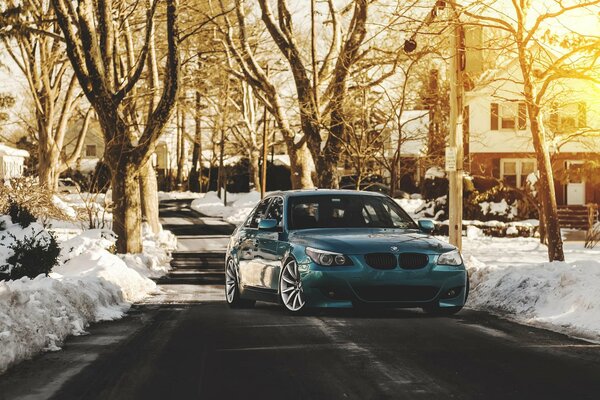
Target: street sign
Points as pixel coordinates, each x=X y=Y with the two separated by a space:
x=450 y=159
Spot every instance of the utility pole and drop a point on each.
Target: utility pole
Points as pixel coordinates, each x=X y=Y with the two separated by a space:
x=263 y=179
x=454 y=152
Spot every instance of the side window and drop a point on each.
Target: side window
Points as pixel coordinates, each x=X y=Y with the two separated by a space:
x=276 y=211
x=258 y=214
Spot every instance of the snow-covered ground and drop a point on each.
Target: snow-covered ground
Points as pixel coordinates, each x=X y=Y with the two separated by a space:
x=238 y=206
x=178 y=195
x=511 y=277
x=89 y=284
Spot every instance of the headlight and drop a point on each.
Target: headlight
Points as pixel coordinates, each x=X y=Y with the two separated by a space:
x=327 y=258
x=450 y=258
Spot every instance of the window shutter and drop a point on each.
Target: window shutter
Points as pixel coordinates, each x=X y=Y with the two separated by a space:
x=522 y=125
x=494 y=117
x=466 y=120
x=581 y=114
x=496 y=168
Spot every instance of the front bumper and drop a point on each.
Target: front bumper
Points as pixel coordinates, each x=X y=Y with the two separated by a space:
x=341 y=287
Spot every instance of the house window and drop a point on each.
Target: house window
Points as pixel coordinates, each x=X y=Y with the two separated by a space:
x=508 y=116
x=567 y=118
x=90 y=150
x=514 y=171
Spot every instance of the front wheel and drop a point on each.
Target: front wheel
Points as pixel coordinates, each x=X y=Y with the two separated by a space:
x=291 y=292
x=232 y=290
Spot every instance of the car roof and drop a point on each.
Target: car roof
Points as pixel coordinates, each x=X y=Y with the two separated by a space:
x=323 y=192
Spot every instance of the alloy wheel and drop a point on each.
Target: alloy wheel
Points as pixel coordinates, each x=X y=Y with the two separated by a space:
x=230 y=281
x=290 y=287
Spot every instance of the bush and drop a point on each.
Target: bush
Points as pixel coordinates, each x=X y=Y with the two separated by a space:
x=35 y=254
x=20 y=215
x=27 y=193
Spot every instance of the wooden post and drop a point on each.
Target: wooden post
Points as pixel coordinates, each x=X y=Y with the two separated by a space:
x=455 y=141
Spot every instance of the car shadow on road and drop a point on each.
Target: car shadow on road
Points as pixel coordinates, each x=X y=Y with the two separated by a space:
x=356 y=313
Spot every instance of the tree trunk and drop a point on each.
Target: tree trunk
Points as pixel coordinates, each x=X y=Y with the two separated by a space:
x=195 y=178
x=300 y=168
x=48 y=160
x=542 y=227
x=127 y=213
x=546 y=180
x=329 y=160
x=149 y=196
x=547 y=193
x=181 y=154
x=255 y=169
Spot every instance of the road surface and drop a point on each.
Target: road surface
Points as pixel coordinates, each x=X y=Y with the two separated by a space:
x=186 y=344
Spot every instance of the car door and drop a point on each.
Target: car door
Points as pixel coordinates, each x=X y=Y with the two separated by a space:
x=248 y=247
x=269 y=254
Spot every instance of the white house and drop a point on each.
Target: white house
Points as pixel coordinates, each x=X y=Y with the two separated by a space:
x=12 y=162
x=498 y=138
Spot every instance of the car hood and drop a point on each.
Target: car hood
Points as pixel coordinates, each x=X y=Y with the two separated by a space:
x=362 y=241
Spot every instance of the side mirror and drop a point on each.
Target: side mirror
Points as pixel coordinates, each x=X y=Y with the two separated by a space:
x=267 y=224
x=426 y=225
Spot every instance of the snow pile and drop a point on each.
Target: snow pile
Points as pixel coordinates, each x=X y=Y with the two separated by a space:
x=86 y=209
x=162 y=196
x=435 y=172
x=238 y=206
x=502 y=208
x=90 y=284
x=511 y=278
x=411 y=206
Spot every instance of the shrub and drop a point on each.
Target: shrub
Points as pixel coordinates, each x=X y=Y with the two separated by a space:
x=27 y=193
x=20 y=215
x=33 y=255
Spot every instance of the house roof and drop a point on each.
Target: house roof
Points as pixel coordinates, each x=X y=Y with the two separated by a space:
x=11 y=151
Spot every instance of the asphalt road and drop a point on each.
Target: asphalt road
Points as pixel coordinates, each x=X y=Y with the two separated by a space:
x=186 y=344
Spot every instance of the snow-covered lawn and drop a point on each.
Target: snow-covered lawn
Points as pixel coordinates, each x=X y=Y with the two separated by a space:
x=512 y=278
x=89 y=284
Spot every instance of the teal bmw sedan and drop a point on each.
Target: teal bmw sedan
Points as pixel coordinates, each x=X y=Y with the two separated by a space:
x=341 y=248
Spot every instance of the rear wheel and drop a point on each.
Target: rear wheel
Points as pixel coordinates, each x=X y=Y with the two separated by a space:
x=232 y=290
x=291 y=292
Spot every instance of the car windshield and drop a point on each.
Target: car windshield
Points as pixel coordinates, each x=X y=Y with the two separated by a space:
x=346 y=211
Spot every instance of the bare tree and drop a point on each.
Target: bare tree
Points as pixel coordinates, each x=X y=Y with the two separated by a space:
x=108 y=72
x=244 y=64
x=32 y=38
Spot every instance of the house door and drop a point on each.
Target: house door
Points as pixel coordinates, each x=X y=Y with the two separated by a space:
x=575 y=190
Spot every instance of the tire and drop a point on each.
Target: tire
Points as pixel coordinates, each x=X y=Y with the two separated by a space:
x=232 y=290
x=291 y=293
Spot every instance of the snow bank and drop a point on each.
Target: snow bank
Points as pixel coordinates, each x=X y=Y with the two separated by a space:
x=238 y=206
x=179 y=195
x=511 y=278
x=90 y=284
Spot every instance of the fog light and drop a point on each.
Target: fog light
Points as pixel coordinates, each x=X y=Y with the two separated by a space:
x=455 y=291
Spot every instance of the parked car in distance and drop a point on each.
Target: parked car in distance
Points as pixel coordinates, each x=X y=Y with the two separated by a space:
x=340 y=248
x=68 y=186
